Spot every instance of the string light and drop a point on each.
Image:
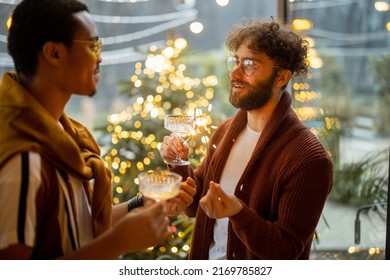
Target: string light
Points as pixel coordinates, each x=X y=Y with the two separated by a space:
x=295 y=6
x=125 y=38
x=222 y=3
x=144 y=19
x=11 y=2
x=124 y=1
x=127 y=54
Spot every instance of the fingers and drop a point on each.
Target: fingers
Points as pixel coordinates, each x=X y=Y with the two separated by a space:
x=185 y=198
x=191 y=182
x=188 y=190
x=214 y=202
x=173 y=146
x=166 y=151
x=217 y=194
x=217 y=204
x=207 y=204
x=189 y=186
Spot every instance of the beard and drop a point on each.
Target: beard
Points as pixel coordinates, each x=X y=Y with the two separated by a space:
x=257 y=95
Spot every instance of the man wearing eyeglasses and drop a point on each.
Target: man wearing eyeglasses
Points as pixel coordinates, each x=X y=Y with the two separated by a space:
x=262 y=186
x=55 y=191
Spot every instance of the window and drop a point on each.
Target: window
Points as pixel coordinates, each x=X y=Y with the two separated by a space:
x=345 y=101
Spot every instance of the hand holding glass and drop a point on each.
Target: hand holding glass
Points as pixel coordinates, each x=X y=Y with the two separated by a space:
x=182 y=126
x=159 y=185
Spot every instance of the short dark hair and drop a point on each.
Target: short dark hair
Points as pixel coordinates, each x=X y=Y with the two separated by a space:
x=35 y=22
x=278 y=41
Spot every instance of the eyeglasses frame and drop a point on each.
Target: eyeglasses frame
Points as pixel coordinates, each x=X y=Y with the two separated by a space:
x=98 y=44
x=240 y=61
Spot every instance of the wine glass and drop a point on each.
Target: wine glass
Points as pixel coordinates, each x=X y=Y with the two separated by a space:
x=159 y=185
x=182 y=126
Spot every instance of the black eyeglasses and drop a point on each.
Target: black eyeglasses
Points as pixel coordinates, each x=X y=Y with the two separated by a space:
x=247 y=64
x=96 y=46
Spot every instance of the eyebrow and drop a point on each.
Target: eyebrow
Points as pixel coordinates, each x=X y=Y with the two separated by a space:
x=250 y=58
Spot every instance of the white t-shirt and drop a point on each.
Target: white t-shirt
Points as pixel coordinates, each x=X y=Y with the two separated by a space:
x=10 y=189
x=238 y=158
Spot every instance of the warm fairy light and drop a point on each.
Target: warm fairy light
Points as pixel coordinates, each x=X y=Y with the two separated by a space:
x=373 y=251
x=210 y=81
x=196 y=27
x=138 y=83
x=162 y=249
x=381 y=6
x=306 y=96
x=311 y=42
x=222 y=3
x=180 y=43
x=168 y=52
x=9 y=22
x=332 y=123
x=307 y=113
x=186 y=247
x=316 y=62
x=352 y=250
x=302 y=24
x=153 y=48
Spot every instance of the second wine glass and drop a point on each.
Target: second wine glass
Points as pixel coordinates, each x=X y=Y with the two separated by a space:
x=159 y=185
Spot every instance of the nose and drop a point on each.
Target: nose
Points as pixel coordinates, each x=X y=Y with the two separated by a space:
x=236 y=72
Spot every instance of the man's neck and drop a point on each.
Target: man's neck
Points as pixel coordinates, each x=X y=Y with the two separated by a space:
x=46 y=94
x=258 y=118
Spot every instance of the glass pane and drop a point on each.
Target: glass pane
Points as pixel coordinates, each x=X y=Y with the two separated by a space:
x=345 y=100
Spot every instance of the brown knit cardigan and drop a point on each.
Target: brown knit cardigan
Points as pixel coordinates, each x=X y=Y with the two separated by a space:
x=283 y=188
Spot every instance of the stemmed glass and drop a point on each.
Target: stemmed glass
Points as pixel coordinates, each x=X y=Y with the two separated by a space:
x=182 y=126
x=159 y=185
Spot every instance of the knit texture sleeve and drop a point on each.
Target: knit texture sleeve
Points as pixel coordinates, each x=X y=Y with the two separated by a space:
x=300 y=205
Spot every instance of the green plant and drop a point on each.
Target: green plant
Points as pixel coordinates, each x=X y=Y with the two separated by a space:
x=362 y=182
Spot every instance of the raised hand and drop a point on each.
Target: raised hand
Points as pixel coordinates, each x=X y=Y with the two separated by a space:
x=217 y=204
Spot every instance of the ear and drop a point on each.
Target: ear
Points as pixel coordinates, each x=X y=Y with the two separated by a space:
x=283 y=77
x=53 y=52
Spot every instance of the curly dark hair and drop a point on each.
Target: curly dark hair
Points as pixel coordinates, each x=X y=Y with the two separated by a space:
x=35 y=22
x=278 y=41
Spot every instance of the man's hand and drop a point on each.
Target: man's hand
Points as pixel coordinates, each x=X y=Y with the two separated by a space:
x=177 y=204
x=217 y=204
x=173 y=146
x=143 y=227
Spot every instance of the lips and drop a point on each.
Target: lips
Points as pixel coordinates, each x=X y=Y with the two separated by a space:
x=237 y=84
x=97 y=70
x=96 y=73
